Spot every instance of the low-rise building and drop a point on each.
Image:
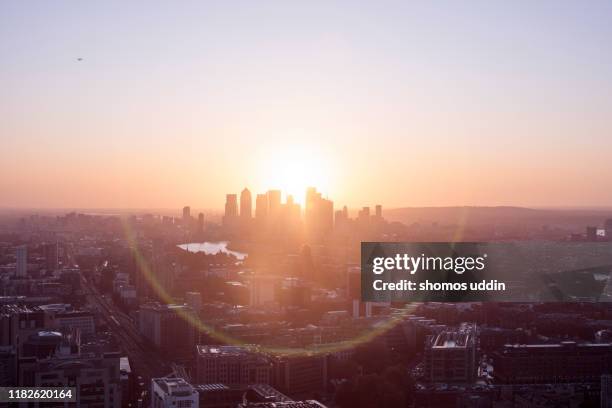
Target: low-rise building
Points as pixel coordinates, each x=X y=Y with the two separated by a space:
x=173 y=393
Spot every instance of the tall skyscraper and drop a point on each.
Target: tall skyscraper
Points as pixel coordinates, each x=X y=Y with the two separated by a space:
x=379 y=211
x=245 y=204
x=200 y=223
x=231 y=205
x=21 y=256
x=319 y=214
x=231 y=210
x=186 y=212
x=292 y=212
x=311 y=198
x=261 y=209
x=274 y=202
x=326 y=215
x=363 y=217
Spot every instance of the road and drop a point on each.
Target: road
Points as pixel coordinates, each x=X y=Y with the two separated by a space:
x=144 y=361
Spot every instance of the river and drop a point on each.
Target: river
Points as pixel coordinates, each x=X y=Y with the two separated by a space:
x=211 y=248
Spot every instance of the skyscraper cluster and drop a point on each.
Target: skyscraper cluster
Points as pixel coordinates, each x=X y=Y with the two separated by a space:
x=273 y=216
x=270 y=212
x=319 y=214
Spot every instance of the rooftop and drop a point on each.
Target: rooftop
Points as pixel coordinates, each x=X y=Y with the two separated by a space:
x=177 y=387
x=284 y=404
x=224 y=351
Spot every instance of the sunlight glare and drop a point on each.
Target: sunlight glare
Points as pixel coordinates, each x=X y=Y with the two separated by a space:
x=293 y=169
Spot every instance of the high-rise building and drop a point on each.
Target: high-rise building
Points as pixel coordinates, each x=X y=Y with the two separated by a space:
x=21 y=256
x=300 y=375
x=274 y=203
x=200 y=223
x=291 y=214
x=326 y=215
x=378 y=211
x=319 y=214
x=341 y=219
x=138 y=264
x=312 y=196
x=168 y=327
x=261 y=208
x=186 y=212
x=231 y=205
x=96 y=376
x=450 y=356
x=18 y=322
x=173 y=393
x=363 y=217
x=231 y=210
x=245 y=204
x=565 y=362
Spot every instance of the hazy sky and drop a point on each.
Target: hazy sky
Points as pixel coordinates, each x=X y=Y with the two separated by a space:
x=406 y=104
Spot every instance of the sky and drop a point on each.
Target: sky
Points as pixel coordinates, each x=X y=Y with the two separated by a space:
x=399 y=103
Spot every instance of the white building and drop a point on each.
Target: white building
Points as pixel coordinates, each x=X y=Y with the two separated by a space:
x=174 y=393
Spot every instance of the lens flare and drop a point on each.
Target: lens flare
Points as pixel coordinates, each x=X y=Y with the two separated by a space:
x=376 y=330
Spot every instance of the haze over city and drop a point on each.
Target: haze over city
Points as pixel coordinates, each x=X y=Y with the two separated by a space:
x=313 y=204
x=154 y=105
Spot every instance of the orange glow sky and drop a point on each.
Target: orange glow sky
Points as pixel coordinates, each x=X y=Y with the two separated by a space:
x=404 y=105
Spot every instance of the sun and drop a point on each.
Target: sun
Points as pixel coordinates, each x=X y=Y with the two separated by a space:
x=293 y=169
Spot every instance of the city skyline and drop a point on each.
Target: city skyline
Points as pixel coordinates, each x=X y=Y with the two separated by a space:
x=322 y=204
x=421 y=104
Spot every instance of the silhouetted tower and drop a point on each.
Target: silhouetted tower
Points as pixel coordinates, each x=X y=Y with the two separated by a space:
x=274 y=202
x=261 y=208
x=231 y=210
x=231 y=205
x=319 y=214
x=245 y=204
x=200 y=223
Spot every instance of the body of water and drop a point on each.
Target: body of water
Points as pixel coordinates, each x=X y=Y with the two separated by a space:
x=211 y=248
